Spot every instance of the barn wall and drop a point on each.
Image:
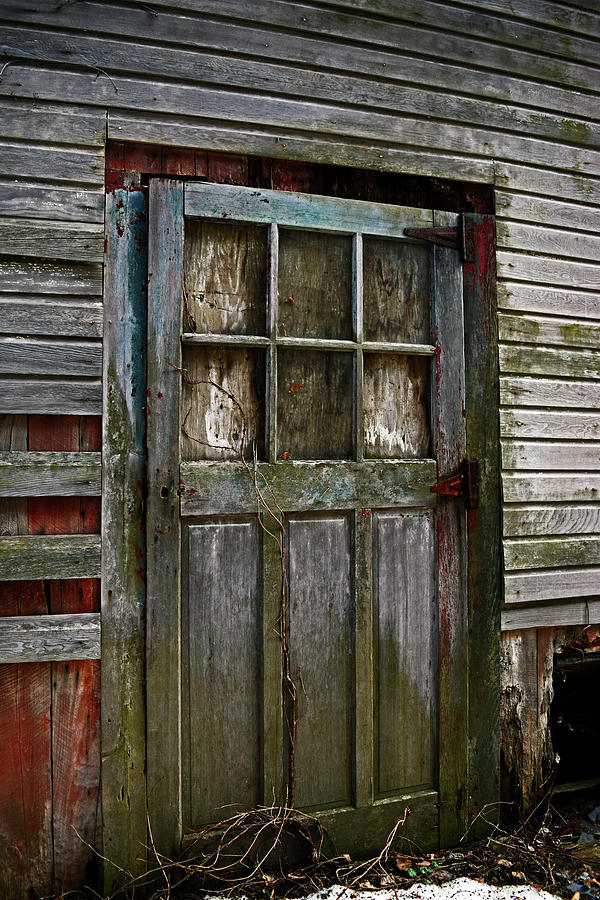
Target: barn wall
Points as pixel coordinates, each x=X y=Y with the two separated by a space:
x=463 y=91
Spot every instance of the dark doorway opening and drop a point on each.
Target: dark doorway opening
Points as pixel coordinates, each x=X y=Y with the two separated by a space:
x=574 y=720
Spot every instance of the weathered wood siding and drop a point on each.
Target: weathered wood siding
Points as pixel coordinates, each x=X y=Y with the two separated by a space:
x=509 y=98
x=475 y=91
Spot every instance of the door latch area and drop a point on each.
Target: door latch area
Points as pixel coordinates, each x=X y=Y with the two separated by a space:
x=464 y=484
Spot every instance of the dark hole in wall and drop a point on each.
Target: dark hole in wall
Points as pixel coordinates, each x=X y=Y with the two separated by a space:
x=130 y=163
x=574 y=718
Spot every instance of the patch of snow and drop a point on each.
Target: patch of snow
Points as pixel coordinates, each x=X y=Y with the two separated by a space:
x=458 y=889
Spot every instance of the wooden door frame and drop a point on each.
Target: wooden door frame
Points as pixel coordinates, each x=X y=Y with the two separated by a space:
x=124 y=742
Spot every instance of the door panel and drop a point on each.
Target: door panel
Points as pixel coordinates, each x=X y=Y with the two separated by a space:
x=406 y=651
x=221 y=665
x=294 y=447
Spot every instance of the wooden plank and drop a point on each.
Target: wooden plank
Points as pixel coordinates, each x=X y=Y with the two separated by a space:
x=364 y=659
x=324 y=119
x=448 y=419
x=339 y=83
x=13 y=512
x=314 y=406
x=213 y=422
x=537 y=298
x=550 y=615
x=462 y=46
x=549 y=518
x=123 y=545
x=48 y=638
x=550 y=487
x=271 y=323
x=541 y=455
x=44 y=316
x=275 y=766
x=397 y=286
x=35 y=356
x=75 y=684
x=51 y=123
x=163 y=678
x=527 y=587
x=564 y=273
x=362 y=828
x=25 y=710
x=320 y=620
x=220 y=561
x=567 y=19
x=544 y=211
x=57 y=556
x=396 y=395
x=26 y=474
x=40 y=277
x=26 y=782
x=525 y=423
x=315 y=281
x=542 y=553
x=484 y=525
x=46 y=163
x=553 y=241
x=51 y=397
x=211 y=489
x=537 y=330
x=548 y=183
x=45 y=201
x=79 y=241
x=313 y=148
x=300 y=210
x=482 y=23
x=406 y=628
x=521 y=359
x=517 y=391
x=225 y=270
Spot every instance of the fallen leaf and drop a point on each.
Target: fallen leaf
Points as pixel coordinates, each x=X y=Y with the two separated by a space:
x=296 y=387
x=289 y=299
x=576 y=896
x=286 y=455
x=403 y=862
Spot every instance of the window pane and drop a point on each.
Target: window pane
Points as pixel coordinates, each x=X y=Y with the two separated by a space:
x=314 y=404
x=397 y=290
x=225 y=277
x=396 y=406
x=315 y=285
x=212 y=421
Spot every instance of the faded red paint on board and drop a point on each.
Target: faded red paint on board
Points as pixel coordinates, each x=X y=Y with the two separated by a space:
x=75 y=729
x=25 y=761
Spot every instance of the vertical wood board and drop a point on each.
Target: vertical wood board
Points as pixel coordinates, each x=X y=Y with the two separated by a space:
x=163 y=676
x=123 y=545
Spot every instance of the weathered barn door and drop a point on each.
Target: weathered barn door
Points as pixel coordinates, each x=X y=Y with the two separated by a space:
x=305 y=391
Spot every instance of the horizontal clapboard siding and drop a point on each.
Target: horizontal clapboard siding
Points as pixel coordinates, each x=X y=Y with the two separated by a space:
x=28 y=474
x=471 y=90
x=550 y=408
x=56 y=556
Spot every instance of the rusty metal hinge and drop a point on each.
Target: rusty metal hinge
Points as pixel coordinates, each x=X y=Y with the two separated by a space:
x=446 y=236
x=464 y=484
x=457 y=237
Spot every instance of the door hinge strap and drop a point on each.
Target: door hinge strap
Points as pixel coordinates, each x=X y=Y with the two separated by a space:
x=446 y=236
x=463 y=484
